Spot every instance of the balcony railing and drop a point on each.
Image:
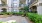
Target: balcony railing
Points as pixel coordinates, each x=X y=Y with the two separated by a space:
x=33 y=2
x=3 y=5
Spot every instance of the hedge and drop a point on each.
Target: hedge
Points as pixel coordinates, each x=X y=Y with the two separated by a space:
x=11 y=13
x=35 y=17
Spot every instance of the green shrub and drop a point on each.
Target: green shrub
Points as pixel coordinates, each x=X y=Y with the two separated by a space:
x=1 y=14
x=25 y=9
x=4 y=13
x=18 y=13
x=35 y=17
x=11 y=13
x=0 y=22
x=21 y=13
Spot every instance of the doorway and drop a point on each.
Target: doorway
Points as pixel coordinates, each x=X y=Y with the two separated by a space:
x=34 y=9
x=4 y=10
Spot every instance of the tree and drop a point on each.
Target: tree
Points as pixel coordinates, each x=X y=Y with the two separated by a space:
x=25 y=9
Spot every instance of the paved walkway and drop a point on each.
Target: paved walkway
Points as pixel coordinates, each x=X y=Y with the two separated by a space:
x=18 y=19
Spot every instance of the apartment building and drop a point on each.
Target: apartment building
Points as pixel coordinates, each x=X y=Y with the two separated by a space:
x=36 y=5
x=3 y=4
x=12 y=5
x=0 y=1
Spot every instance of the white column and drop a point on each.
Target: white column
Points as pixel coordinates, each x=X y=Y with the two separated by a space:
x=39 y=10
x=0 y=2
x=18 y=3
x=27 y=2
x=8 y=9
x=39 y=7
x=9 y=3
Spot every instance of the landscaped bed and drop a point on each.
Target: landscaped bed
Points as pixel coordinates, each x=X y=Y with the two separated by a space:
x=35 y=17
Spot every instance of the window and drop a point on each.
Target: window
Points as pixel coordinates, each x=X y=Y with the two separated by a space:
x=40 y=4
x=15 y=5
x=14 y=0
x=15 y=10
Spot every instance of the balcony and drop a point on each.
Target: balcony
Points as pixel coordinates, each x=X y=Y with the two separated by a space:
x=3 y=3
x=3 y=6
x=32 y=2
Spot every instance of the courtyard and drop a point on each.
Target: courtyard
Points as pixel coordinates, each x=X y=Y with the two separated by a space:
x=21 y=11
x=19 y=19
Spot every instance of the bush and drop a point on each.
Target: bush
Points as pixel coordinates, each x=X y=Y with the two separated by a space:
x=18 y=13
x=11 y=13
x=21 y=13
x=35 y=17
x=3 y=13
x=6 y=13
x=25 y=9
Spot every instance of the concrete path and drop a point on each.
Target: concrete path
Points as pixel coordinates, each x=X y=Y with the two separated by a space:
x=18 y=19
